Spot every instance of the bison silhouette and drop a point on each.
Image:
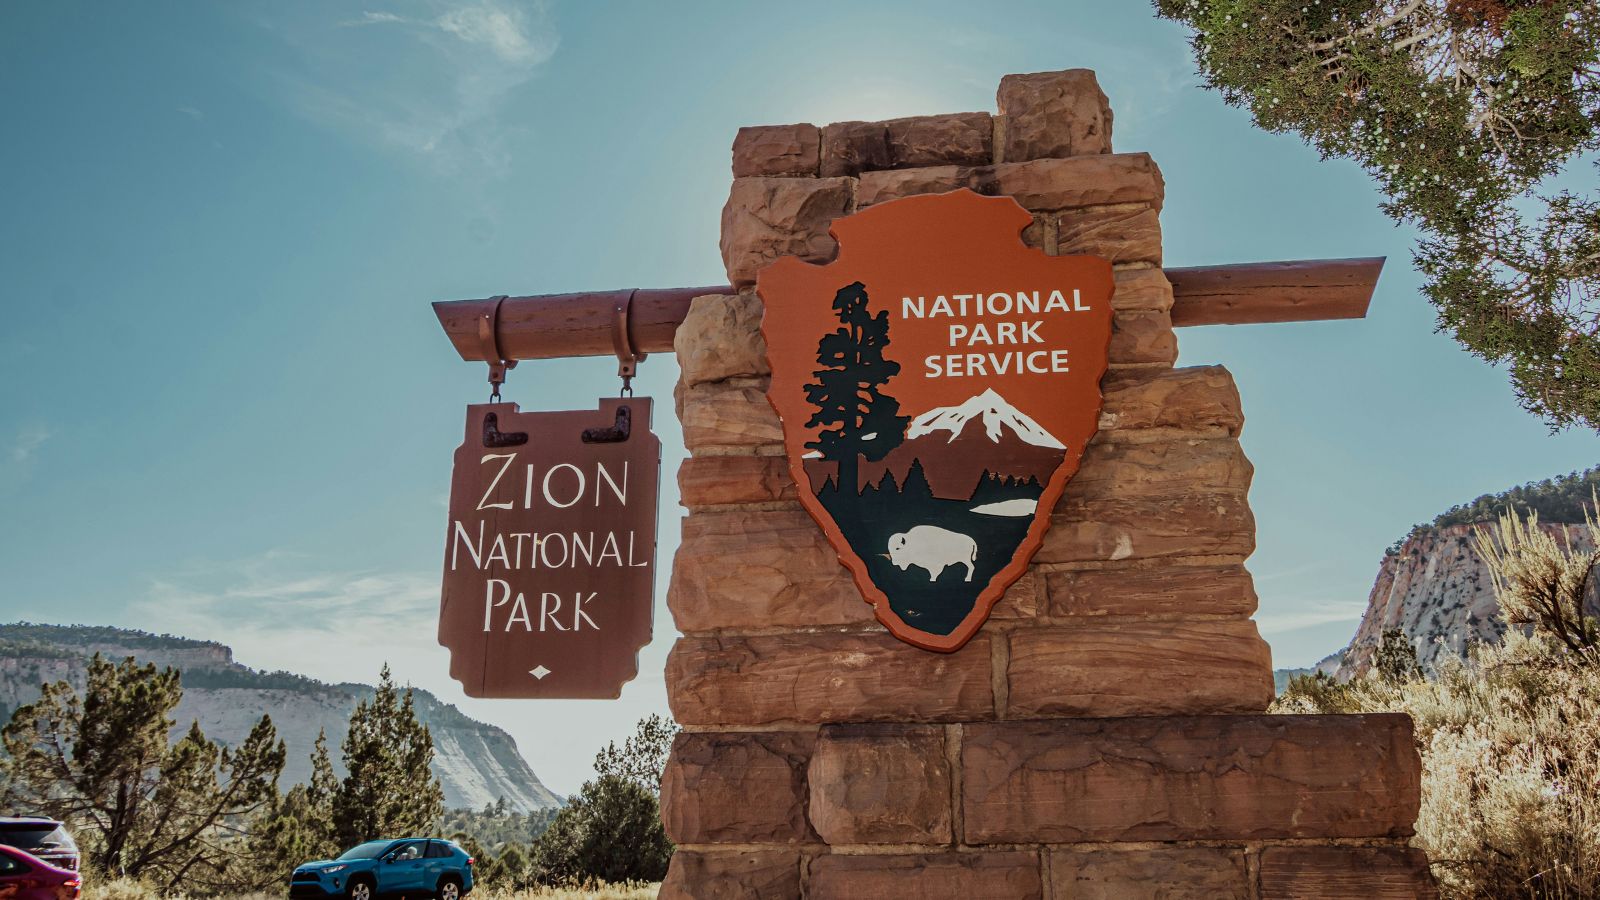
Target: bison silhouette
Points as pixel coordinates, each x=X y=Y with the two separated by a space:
x=934 y=549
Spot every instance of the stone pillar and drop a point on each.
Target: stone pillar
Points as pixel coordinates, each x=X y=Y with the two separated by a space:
x=1104 y=736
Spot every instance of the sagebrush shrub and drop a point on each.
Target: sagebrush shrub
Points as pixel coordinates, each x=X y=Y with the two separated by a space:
x=1510 y=745
x=1509 y=739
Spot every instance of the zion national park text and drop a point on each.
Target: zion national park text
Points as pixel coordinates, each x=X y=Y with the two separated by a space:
x=555 y=493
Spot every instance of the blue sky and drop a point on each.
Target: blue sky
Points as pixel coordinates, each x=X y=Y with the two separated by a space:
x=226 y=410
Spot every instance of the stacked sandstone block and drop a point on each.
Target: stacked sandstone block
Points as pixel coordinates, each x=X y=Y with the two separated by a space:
x=1103 y=735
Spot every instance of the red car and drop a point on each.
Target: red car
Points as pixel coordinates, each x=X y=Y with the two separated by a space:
x=26 y=877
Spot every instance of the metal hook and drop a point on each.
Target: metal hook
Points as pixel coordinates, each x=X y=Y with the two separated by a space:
x=489 y=337
x=622 y=340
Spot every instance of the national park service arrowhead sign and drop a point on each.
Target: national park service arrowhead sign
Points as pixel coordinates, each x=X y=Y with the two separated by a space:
x=938 y=383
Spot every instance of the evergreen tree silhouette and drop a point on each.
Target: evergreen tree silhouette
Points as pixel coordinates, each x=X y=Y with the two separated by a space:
x=859 y=420
x=916 y=484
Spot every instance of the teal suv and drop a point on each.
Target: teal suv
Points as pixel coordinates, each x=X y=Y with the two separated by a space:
x=410 y=867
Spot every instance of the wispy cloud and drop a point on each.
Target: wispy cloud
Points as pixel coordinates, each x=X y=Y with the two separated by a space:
x=376 y=18
x=1307 y=616
x=28 y=440
x=1299 y=571
x=427 y=77
x=503 y=31
x=278 y=611
x=192 y=112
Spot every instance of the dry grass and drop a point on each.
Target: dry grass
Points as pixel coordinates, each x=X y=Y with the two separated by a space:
x=622 y=892
x=127 y=889
x=123 y=889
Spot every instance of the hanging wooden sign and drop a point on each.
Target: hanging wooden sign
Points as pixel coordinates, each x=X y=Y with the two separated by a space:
x=937 y=383
x=549 y=566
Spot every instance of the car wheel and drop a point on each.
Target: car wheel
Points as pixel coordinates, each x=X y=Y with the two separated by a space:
x=359 y=890
x=449 y=889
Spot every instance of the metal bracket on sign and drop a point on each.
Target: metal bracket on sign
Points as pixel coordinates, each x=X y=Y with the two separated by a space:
x=622 y=340
x=489 y=337
x=627 y=367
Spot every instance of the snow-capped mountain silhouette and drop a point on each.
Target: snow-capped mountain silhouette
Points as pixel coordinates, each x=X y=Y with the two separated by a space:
x=958 y=446
x=996 y=415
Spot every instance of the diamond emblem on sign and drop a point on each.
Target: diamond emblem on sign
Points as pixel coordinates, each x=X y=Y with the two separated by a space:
x=539 y=672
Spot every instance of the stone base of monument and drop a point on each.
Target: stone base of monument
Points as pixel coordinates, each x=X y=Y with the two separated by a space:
x=1172 y=806
x=1104 y=735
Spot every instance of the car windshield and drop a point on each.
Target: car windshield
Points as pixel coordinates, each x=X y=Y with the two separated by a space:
x=369 y=850
x=32 y=835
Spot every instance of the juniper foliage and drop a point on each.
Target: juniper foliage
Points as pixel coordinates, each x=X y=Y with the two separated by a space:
x=1464 y=112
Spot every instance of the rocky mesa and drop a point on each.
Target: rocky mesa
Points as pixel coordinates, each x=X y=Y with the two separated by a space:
x=477 y=763
x=1435 y=589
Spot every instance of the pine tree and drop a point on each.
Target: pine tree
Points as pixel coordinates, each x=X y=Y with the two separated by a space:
x=511 y=866
x=859 y=420
x=164 y=811
x=324 y=785
x=286 y=834
x=1396 y=659
x=390 y=790
x=298 y=826
x=916 y=486
x=612 y=829
x=643 y=755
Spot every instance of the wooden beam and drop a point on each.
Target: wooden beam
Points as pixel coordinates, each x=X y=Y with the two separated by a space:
x=1255 y=293
x=562 y=325
x=551 y=326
